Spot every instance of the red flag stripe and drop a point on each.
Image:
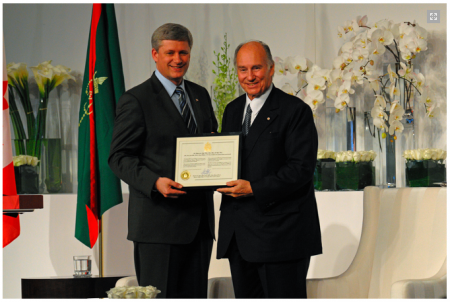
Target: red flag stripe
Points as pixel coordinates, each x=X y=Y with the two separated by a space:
x=93 y=226
x=5 y=90
x=96 y=12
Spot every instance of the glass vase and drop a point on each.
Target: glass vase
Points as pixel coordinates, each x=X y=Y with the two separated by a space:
x=425 y=173
x=325 y=175
x=354 y=176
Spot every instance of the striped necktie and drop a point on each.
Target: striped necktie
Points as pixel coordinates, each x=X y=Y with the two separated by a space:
x=247 y=120
x=185 y=110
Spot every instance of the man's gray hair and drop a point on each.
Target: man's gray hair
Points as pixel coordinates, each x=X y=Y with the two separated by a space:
x=171 y=31
x=269 y=58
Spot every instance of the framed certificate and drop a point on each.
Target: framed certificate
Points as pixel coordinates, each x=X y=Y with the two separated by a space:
x=207 y=160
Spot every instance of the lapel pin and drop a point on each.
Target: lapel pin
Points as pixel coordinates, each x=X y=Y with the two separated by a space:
x=196 y=100
x=268 y=118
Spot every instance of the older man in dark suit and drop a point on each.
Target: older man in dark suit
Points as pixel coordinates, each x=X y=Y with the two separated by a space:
x=269 y=225
x=172 y=230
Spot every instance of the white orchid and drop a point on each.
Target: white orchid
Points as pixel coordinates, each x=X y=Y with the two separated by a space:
x=314 y=98
x=288 y=89
x=377 y=48
x=393 y=90
x=360 y=54
x=433 y=111
x=378 y=112
x=397 y=114
x=345 y=88
x=341 y=101
x=384 y=37
x=379 y=123
x=395 y=126
x=380 y=101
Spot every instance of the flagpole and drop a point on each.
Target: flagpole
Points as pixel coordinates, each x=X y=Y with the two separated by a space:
x=100 y=249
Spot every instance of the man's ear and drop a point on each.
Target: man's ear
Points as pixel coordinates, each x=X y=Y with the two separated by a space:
x=155 y=55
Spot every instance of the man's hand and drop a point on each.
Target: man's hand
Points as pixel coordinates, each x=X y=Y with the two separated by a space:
x=164 y=186
x=237 y=188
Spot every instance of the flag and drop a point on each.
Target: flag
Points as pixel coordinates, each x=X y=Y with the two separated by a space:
x=11 y=223
x=98 y=188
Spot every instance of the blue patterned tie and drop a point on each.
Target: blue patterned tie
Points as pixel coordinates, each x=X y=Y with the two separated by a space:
x=247 y=120
x=185 y=110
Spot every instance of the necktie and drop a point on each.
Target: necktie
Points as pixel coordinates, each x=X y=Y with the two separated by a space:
x=185 y=110
x=247 y=120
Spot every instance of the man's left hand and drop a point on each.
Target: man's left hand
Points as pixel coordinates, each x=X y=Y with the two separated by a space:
x=237 y=188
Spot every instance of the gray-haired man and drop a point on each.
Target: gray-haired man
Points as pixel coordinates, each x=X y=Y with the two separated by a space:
x=172 y=230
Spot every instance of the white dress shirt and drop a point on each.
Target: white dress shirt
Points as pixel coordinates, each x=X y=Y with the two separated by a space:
x=256 y=104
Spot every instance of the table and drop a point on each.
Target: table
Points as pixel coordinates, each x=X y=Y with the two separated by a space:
x=67 y=287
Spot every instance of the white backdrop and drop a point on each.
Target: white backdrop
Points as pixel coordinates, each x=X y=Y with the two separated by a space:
x=34 y=33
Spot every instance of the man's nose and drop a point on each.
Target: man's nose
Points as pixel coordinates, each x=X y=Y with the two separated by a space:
x=250 y=75
x=177 y=58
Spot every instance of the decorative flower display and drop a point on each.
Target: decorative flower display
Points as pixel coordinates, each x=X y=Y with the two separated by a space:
x=133 y=292
x=362 y=49
x=225 y=81
x=20 y=160
x=355 y=156
x=322 y=154
x=311 y=79
x=47 y=77
x=425 y=154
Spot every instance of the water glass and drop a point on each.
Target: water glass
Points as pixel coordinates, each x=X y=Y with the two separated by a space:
x=82 y=266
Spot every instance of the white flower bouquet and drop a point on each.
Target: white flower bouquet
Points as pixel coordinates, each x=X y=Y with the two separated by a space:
x=325 y=171
x=425 y=167
x=355 y=170
x=133 y=292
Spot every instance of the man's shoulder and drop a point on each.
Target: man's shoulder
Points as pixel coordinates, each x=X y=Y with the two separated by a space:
x=193 y=85
x=288 y=100
x=237 y=102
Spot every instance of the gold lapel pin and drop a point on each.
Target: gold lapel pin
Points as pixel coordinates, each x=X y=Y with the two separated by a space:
x=196 y=100
x=268 y=118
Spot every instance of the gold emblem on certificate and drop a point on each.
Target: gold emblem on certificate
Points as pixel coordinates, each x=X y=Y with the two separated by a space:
x=185 y=175
x=207 y=147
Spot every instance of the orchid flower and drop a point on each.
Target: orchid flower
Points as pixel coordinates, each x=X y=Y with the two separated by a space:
x=378 y=112
x=288 y=89
x=379 y=123
x=397 y=114
x=384 y=37
x=341 y=101
x=380 y=101
x=377 y=48
x=396 y=126
x=360 y=54
x=314 y=98
x=433 y=111
x=346 y=88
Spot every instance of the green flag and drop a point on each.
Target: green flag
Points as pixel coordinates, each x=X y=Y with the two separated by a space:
x=98 y=188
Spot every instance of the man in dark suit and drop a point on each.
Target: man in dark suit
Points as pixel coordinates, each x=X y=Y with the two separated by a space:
x=269 y=224
x=172 y=230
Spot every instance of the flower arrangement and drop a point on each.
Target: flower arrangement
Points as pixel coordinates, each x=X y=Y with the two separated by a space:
x=133 y=292
x=425 y=154
x=355 y=156
x=47 y=78
x=311 y=79
x=26 y=176
x=325 y=171
x=225 y=82
x=425 y=167
x=324 y=154
x=362 y=49
x=20 y=160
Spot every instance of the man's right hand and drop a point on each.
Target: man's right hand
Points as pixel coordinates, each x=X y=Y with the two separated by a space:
x=164 y=186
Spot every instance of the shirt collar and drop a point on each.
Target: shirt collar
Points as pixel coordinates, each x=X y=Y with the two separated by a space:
x=168 y=85
x=257 y=103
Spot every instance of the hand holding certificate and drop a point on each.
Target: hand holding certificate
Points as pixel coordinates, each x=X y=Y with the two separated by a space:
x=207 y=161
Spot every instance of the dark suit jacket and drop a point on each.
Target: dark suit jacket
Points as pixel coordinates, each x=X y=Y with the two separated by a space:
x=280 y=222
x=142 y=150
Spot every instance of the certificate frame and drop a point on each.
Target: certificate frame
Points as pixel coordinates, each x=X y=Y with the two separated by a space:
x=199 y=176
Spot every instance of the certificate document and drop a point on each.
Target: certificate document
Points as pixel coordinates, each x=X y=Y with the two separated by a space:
x=209 y=160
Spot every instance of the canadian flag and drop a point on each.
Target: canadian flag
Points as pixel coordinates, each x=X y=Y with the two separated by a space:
x=11 y=223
